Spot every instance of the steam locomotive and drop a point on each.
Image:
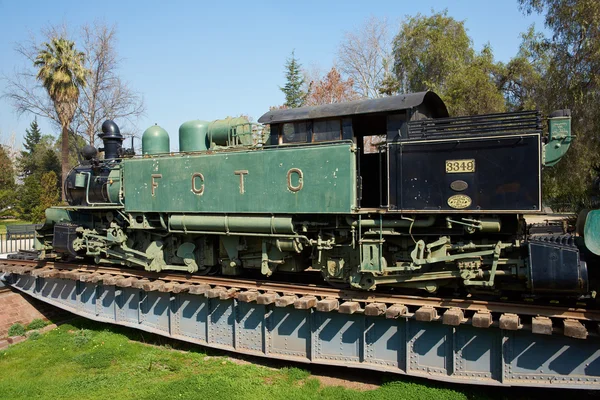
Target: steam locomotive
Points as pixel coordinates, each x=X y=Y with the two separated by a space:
x=376 y=193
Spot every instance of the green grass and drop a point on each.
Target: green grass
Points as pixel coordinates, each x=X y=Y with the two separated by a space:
x=5 y=222
x=87 y=360
x=16 y=330
x=37 y=324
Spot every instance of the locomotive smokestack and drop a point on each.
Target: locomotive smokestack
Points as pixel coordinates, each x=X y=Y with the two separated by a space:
x=113 y=140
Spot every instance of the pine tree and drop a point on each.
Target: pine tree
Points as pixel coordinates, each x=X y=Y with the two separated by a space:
x=33 y=135
x=26 y=161
x=294 y=95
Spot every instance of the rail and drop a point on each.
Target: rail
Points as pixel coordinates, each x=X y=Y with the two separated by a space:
x=572 y=320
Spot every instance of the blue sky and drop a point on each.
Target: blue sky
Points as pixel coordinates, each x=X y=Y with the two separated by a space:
x=197 y=60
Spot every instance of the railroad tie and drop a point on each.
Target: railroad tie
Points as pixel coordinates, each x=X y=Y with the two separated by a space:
x=266 y=298
x=8 y=268
x=376 y=309
x=426 y=314
x=228 y=294
x=453 y=316
x=215 y=292
x=248 y=296
x=63 y=274
x=200 y=290
x=482 y=319
x=125 y=282
x=84 y=277
x=327 y=305
x=574 y=329
x=305 y=303
x=510 y=322
x=285 y=301
x=541 y=325
x=74 y=275
x=95 y=278
x=23 y=270
x=182 y=287
x=349 y=307
x=153 y=285
x=38 y=272
x=51 y=274
x=395 y=311
x=110 y=280
x=167 y=287
x=139 y=283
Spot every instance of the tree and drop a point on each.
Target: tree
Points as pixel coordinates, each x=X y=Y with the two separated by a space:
x=571 y=79
x=521 y=79
x=331 y=89
x=7 y=176
x=294 y=95
x=28 y=198
x=45 y=157
x=435 y=53
x=390 y=85
x=49 y=196
x=428 y=50
x=62 y=73
x=472 y=90
x=365 y=56
x=105 y=95
x=33 y=136
x=40 y=180
x=7 y=180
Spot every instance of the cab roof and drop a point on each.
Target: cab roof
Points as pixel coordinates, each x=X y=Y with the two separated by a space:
x=429 y=99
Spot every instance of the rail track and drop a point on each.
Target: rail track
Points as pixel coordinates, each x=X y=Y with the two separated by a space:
x=573 y=322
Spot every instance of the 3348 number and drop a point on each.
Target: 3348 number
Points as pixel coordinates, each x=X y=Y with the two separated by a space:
x=456 y=166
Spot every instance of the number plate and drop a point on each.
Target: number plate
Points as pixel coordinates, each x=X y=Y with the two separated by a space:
x=459 y=166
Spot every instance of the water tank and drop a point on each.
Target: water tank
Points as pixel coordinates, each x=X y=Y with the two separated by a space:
x=192 y=136
x=219 y=131
x=155 y=140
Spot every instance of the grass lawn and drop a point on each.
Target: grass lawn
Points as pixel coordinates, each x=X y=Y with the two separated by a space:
x=88 y=360
x=5 y=222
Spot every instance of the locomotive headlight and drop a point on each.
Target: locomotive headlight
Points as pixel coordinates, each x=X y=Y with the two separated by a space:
x=110 y=181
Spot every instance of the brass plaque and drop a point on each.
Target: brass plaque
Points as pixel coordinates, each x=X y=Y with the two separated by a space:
x=459 y=186
x=459 y=201
x=460 y=166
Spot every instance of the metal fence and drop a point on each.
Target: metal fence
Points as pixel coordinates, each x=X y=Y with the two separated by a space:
x=21 y=239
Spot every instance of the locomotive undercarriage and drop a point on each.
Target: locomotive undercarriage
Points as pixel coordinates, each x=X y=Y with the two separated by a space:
x=416 y=252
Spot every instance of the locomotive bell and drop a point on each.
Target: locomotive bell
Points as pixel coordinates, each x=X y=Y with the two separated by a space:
x=113 y=140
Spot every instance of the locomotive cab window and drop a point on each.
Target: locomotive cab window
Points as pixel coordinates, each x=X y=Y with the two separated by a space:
x=295 y=132
x=327 y=130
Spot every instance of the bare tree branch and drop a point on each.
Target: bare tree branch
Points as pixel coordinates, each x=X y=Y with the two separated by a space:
x=364 y=55
x=106 y=96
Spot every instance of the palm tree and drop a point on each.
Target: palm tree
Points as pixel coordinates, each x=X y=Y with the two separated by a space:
x=62 y=73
